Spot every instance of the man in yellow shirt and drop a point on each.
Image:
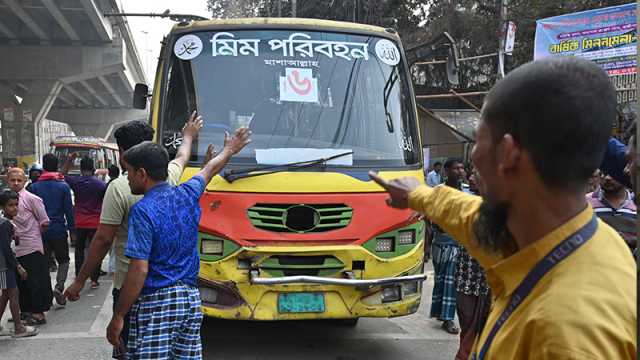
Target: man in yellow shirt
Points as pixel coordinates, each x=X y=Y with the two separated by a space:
x=564 y=283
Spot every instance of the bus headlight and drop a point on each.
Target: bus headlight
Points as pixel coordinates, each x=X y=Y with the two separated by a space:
x=391 y=293
x=396 y=242
x=410 y=288
x=214 y=248
x=211 y=247
x=384 y=244
x=208 y=295
x=406 y=237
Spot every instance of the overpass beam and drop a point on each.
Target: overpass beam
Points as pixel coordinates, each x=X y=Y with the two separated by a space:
x=28 y=20
x=68 y=63
x=102 y=26
x=95 y=122
x=61 y=20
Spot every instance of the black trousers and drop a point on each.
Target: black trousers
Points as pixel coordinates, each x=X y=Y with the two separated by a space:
x=60 y=249
x=83 y=240
x=35 y=292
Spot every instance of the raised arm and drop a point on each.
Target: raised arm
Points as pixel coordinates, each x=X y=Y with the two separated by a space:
x=454 y=211
x=68 y=163
x=232 y=145
x=190 y=132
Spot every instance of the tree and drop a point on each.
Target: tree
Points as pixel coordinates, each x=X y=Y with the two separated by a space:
x=398 y=14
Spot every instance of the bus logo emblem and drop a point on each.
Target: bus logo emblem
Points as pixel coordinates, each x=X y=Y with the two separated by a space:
x=187 y=47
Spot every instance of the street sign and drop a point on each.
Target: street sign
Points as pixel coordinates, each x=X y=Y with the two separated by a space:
x=511 y=38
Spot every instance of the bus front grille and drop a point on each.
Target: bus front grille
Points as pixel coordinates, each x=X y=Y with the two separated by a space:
x=290 y=265
x=300 y=218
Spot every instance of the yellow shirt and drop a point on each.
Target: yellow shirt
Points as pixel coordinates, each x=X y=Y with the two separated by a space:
x=583 y=308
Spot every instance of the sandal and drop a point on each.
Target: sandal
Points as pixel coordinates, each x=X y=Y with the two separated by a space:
x=450 y=327
x=28 y=331
x=59 y=296
x=95 y=285
x=32 y=321
x=23 y=316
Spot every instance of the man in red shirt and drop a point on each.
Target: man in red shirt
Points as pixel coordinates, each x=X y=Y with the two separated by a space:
x=89 y=192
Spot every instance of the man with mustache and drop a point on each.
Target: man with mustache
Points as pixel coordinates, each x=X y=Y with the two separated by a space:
x=613 y=203
x=445 y=252
x=564 y=282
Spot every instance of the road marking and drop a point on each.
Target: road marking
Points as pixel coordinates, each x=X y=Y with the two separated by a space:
x=99 y=326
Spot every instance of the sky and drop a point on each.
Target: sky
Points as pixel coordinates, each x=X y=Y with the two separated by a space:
x=148 y=32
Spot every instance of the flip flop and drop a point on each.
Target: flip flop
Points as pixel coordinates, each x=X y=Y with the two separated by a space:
x=29 y=331
x=450 y=327
x=33 y=321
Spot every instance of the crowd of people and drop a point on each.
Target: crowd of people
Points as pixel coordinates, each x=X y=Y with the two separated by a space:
x=44 y=221
x=530 y=259
x=46 y=209
x=514 y=240
x=460 y=282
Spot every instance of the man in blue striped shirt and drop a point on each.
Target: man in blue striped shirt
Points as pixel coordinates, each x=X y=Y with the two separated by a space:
x=159 y=291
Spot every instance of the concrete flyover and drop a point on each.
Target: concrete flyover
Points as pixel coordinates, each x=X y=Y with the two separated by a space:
x=62 y=60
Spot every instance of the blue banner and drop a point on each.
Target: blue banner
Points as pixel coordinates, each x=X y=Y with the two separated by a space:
x=606 y=36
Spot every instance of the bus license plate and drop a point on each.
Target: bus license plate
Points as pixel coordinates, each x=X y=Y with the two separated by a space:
x=301 y=302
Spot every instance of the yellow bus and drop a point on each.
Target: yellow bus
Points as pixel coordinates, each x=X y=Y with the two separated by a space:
x=102 y=153
x=293 y=228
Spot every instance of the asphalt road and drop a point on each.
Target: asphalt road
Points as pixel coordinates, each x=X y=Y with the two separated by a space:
x=77 y=331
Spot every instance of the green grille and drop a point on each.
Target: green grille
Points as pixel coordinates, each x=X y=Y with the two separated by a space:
x=300 y=218
x=291 y=265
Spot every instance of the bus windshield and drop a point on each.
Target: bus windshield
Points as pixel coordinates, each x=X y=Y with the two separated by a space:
x=304 y=95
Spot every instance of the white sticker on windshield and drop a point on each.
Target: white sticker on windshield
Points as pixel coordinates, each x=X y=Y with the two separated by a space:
x=187 y=47
x=298 y=85
x=280 y=156
x=387 y=52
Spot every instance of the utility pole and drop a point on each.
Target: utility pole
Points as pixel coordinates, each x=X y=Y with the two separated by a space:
x=279 y=8
x=503 y=30
x=294 y=8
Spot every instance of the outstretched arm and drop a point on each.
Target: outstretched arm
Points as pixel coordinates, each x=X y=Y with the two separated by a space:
x=68 y=163
x=454 y=211
x=232 y=145
x=190 y=132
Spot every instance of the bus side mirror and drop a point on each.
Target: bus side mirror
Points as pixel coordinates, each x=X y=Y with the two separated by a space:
x=140 y=95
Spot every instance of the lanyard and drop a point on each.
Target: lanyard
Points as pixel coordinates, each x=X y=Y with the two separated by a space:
x=553 y=258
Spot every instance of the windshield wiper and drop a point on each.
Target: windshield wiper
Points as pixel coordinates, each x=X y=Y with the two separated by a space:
x=232 y=175
x=386 y=93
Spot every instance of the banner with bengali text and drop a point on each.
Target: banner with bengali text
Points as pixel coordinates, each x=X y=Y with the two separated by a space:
x=606 y=36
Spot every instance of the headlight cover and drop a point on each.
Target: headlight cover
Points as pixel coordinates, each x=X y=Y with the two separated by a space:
x=397 y=242
x=212 y=248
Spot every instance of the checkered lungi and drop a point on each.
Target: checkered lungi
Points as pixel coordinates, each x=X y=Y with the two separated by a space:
x=443 y=301
x=166 y=325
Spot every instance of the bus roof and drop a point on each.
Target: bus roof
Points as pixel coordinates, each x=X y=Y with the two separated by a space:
x=317 y=24
x=82 y=141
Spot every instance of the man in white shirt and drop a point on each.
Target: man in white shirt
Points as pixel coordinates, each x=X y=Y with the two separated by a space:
x=433 y=177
